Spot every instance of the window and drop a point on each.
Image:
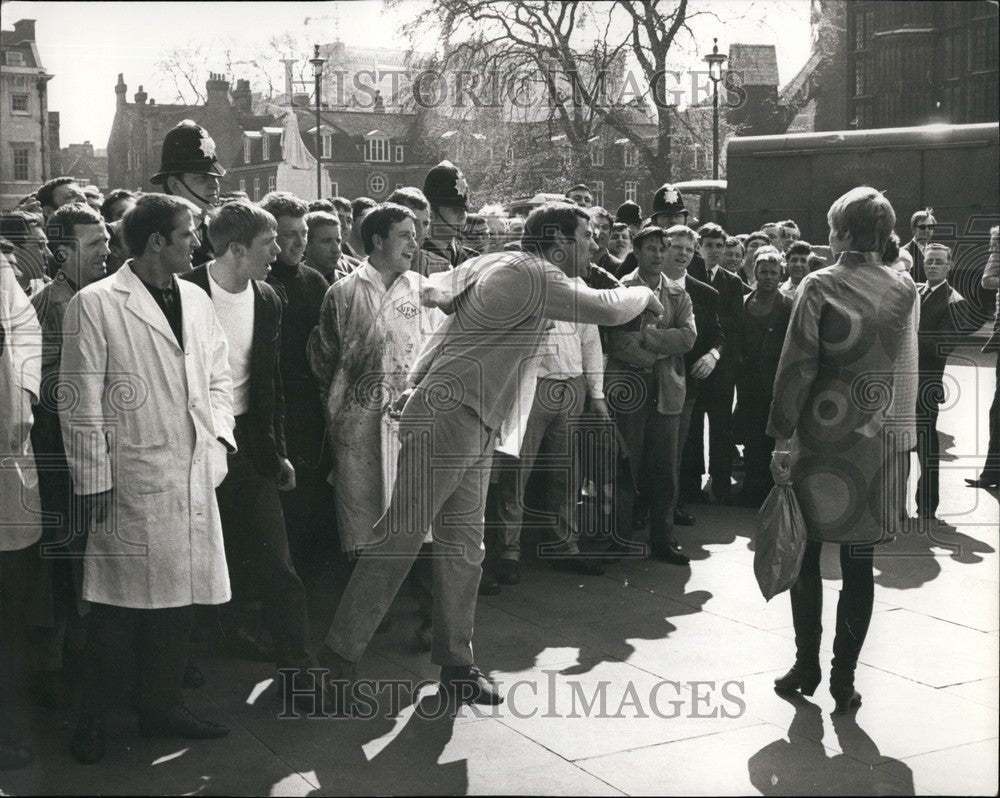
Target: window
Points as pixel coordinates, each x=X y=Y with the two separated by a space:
x=256 y=189
x=697 y=156
x=14 y=58
x=631 y=190
x=243 y=186
x=598 y=189
x=19 y=103
x=377 y=184
x=327 y=140
x=246 y=150
x=266 y=147
x=629 y=157
x=22 y=163
x=597 y=154
x=334 y=189
x=377 y=150
x=128 y=158
x=399 y=153
x=510 y=155
x=270 y=184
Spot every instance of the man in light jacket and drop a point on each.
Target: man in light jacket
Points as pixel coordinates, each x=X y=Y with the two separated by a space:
x=147 y=422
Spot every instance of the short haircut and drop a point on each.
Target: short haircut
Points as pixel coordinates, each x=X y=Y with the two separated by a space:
x=59 y=226
x=733 y=241
x=799 y=248
x=683 y=231
x=153 y=213
x=579 y=187
x=711 y=230
x=321 y=205
x=341 y=204
x=937 y=247
x=360 y=206
x=789 y=224
x=409 y=197
x=619 y=227
x=864 y=214
x=379 y=221
x=318 y=219
x=238 y=222
x=112 y=198
x=47 y=191
x=918 y=216
x=544 y=221
x=597 y=212
x=16 y=225
x=232 y=196
x=767 y=254
x=647 y=233
x=760 y=235
x=284 y=203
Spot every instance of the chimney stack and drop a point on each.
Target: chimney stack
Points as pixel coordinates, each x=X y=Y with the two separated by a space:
x=140 y=97
x=242 y=100
x=24 y=30
x=121 y=90
x=216 y=90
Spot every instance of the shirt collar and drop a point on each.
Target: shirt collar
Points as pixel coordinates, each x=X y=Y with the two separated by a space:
x=681 y=282
x=372 y=275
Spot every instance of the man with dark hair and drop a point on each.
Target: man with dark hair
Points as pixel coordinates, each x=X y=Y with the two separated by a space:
x=620 y=240
x=715 y=374
x=601 y=220
x=79 y=244
x=116 y=203
x=308 y=508
x=321 y=205
x=797 y=266
x=323 y=247
x=647 y=354
x=146 y=459
x=424 y=261
x=448 y=195
x=922 y=224
x=189 y=169
x=59 y=191
x=580 y=195
x=447 y=447
x=249 y=310
x=352 y=237
x=476 y=233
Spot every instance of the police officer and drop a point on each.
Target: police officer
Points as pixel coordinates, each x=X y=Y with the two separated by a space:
x=447 y=192
x=190 y=169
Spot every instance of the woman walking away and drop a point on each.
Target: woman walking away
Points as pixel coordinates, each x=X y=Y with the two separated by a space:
x=842 y=419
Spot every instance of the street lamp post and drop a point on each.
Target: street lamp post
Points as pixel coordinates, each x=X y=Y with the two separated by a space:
x=715 y=61
x=317 y=64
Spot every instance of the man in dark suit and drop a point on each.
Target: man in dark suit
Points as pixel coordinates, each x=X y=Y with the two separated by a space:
x=944 y=318
x=717 y=372
x=253 y=527
x=922 y=225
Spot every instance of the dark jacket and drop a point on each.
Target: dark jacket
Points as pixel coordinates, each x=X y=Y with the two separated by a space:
x=455 y=257
x=203 y=254
x=267 y=401
x=705 y=301
x=758 y=369
x=730 y=288
x=917 y=272
x=945 y=318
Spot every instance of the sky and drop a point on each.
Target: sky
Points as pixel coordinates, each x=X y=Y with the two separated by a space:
x=86 y=44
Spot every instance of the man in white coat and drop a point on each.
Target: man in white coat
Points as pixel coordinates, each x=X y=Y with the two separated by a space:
x=147 y=423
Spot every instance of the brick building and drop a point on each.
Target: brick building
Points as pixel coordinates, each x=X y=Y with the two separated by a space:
x=25 y=158
x=87 y=165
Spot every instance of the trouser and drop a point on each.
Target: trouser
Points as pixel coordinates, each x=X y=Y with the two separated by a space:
x=714 y=397
x=442 y=477
x=991 y=468
x=854 y=607
x=653 y=442
x=158 y=639
x=253 y=529
x=554 y=415
x=929 y=457
x=758 y=445
x=309 y=517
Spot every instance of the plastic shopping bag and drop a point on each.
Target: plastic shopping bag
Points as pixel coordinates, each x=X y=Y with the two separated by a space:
x=780 y=542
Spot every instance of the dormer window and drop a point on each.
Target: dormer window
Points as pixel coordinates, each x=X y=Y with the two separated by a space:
x=246 y=150
x=14 y=58
x=377 y=150
x=266 y=141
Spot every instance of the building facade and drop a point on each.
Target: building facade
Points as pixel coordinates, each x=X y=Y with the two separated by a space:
x=25 y=158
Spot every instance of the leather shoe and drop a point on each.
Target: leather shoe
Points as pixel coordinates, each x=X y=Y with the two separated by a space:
x=983 y=482
x=469 y=685
x=87 y=746
x=193 y=677
x=682 y=517
x=508 y=572
x=671 y=553
x=488 y=586
x=574 y=563
x=179 y=722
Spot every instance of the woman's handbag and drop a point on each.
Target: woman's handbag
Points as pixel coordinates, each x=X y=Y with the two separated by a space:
x=780 y=541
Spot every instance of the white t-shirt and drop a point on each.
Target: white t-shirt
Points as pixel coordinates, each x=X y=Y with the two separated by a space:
x=235 y=312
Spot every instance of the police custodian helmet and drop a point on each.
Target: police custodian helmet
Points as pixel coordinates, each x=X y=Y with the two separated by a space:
x=187 y=148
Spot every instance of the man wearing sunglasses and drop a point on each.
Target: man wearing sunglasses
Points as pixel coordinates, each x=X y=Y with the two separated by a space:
x=922 y=225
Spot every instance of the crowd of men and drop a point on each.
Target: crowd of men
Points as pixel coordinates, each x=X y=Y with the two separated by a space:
x=208 y=395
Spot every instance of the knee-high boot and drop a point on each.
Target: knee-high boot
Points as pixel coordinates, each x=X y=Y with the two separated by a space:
x=807 y=608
